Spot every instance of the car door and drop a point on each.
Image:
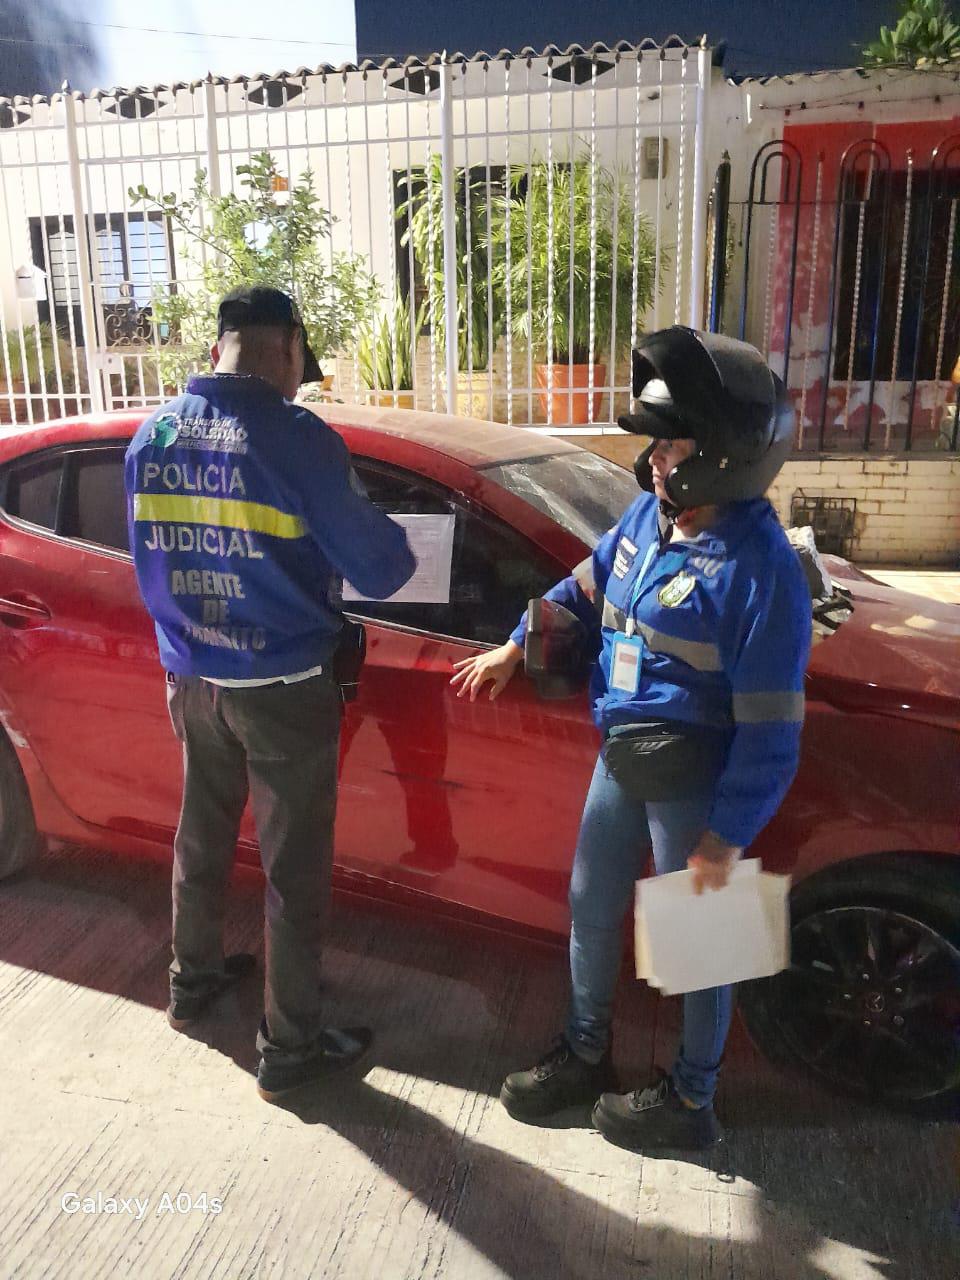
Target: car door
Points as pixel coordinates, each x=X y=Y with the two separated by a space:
x=78 y=657
x=478 y=803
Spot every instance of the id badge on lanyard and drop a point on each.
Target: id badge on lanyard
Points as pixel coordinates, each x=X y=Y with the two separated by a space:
x=626 y=663
x=626 y=654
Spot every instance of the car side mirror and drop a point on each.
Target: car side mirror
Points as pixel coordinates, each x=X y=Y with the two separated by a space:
x=556 y=651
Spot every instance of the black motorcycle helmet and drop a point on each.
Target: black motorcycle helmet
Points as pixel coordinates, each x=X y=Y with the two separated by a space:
x=721 y=393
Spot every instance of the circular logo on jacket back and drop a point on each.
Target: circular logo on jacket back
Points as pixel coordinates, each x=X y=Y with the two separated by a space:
x=677 y=590
x=164 y=431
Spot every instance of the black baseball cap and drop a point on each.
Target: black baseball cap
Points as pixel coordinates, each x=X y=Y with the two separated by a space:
x=260 y=304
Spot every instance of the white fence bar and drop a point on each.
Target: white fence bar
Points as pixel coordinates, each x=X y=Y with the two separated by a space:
x=449 y=231
x=592 y=282
x=508 y=242
x=551 y=264
x=488 y=184
x=91 y=359
x=431 y=280
x=530 y=147
x=411 y=256
x=468 y=245
x=62 y=180
x=658 y=255
x=212 y=140
x=680 y=253
x=15 y=343
x=698 y=243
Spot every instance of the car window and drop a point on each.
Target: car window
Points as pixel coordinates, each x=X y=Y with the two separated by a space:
x=94 y=500
x=32 y=491
x=583 y=492
x=495 y=570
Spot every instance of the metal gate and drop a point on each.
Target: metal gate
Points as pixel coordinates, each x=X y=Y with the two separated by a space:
x=559 y=198
x=845 y=270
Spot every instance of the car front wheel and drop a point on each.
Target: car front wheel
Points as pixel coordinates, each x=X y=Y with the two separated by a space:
x=871 y=1000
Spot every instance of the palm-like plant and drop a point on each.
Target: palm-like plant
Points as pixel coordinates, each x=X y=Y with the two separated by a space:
x=26 y=356
x=583 y=196
x=386 y=349
x=423 y=208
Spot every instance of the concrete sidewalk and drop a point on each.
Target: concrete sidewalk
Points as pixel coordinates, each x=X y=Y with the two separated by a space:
x=937 y=584
x=414 y=1171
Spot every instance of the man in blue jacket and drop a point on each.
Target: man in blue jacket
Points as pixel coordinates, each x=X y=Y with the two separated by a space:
x=700 y=616
x=245 y=517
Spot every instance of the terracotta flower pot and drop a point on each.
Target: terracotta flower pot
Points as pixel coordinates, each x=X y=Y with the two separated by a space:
x=571 y=399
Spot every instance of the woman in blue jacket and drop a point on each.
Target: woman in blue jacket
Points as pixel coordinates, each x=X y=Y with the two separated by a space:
x=700 y=612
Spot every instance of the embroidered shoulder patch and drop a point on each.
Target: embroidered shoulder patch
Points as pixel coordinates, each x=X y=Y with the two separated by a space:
x=676 y=590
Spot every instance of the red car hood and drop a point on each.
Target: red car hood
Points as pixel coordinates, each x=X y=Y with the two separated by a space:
x=899 y=654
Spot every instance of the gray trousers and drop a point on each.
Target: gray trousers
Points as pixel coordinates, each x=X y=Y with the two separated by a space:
x=279 y=744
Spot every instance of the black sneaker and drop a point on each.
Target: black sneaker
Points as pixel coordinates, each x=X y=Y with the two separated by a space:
x=340 y=1047
x=560 y=1079
x=185 y=1009
x=655 y=1117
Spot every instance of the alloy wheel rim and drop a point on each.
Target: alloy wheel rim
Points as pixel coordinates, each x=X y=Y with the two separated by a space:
x=871 y=1001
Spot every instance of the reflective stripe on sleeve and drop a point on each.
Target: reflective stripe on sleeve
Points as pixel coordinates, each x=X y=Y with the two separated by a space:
x=695 y=653
x=613 y=617
x=768 y=708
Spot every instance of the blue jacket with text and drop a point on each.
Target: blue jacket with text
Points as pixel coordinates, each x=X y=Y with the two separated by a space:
x=245 y=517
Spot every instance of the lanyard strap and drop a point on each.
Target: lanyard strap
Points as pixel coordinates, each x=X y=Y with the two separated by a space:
x=631 y=625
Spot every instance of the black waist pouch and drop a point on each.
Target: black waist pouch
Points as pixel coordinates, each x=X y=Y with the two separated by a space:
x=348 y=657
x=663 y=760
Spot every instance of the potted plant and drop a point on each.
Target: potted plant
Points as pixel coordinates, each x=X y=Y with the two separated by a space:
x=30 y=369
x=272 y=233
x=423 y=210
x=564 y=347
x=385 y=354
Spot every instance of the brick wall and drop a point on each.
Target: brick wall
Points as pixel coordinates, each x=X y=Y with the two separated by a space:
x=908 y=509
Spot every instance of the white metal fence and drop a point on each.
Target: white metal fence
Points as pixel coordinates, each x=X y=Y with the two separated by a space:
x=562 y=208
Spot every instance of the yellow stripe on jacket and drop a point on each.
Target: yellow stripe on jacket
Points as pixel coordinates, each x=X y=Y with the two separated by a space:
x=228 y=513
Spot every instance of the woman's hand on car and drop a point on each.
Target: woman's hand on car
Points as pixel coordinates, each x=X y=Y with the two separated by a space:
x=496 y=666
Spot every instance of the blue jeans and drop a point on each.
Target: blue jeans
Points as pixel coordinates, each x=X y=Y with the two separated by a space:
x=616 y=833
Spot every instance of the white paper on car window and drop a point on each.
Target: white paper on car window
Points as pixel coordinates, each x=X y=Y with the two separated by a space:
x=431 y=541
x=685 y=942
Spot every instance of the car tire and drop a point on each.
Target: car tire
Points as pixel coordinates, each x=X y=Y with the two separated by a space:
x=871 y=1001
x=19 y=841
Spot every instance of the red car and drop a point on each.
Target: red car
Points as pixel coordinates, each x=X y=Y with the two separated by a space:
x=476 y=805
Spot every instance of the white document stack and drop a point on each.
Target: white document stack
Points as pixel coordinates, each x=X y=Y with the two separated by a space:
x=685 y=942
